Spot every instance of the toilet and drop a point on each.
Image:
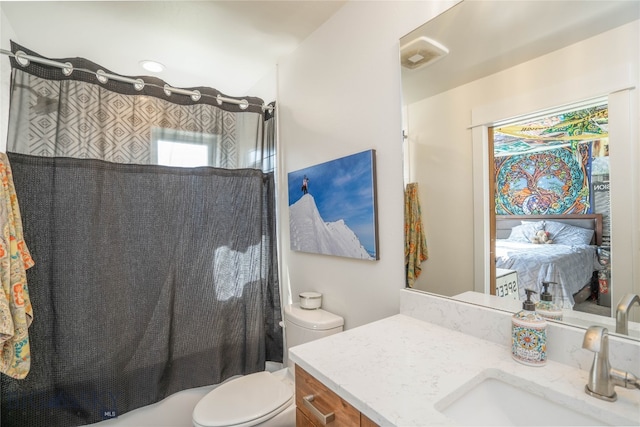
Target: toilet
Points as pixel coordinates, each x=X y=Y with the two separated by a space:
x=266 y=398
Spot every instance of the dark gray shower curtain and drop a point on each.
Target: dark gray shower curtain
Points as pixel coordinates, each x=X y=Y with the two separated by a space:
x=148 y=280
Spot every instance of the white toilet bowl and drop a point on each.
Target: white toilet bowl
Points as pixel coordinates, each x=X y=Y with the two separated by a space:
x=262 y=399
x=266 y=398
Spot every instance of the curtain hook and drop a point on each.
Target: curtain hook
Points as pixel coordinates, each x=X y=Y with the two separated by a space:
x=19 y=55
x=138 y=85
x=68 y=69
x=100 y=75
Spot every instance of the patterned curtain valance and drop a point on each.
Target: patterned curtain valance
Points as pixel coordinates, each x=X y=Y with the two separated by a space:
x=84 y=70
x=54 y=115
x=553 y=131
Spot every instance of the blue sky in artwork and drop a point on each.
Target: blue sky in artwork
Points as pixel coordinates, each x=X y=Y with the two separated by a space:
x=342 y=189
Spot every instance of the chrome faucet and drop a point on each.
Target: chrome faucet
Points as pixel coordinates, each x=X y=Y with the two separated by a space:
x=602 y=377
x=622 y=313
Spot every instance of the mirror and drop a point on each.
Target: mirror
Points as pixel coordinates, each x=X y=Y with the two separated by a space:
x=487 y=64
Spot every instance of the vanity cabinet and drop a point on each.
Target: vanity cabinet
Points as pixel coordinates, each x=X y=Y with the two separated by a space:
x=315 y=403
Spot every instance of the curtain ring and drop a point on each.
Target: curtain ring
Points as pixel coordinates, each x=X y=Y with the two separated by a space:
x=100 y=75
x=19 y=56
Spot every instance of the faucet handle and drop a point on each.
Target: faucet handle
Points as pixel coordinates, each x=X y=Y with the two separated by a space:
x=602 y=378
x=599 y=385
x=594 y=339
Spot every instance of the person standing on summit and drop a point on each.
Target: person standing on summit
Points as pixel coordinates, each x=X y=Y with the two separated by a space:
x=305 y=185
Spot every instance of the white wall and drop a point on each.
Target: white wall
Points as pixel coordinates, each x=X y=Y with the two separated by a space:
x=441 y=162
x=339 y=94
x=442 y=141
x=266 y=88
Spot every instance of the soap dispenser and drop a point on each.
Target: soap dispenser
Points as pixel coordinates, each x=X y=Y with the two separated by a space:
x=547 y=307
x=529 y=334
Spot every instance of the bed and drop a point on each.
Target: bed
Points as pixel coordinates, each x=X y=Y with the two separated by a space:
x=569 y=261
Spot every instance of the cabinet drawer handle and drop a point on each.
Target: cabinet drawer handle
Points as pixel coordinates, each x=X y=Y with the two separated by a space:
x=324 y=419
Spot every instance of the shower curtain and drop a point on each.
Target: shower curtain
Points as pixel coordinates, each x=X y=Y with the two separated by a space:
x=148 y=279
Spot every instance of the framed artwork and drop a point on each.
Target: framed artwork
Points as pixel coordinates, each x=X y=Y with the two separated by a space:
x=332 y=208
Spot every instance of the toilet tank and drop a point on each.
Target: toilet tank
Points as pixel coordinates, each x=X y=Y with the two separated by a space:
x=302 y=326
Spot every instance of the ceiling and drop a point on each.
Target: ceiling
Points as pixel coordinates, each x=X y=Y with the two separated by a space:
x=225 y=45
x=485 y=37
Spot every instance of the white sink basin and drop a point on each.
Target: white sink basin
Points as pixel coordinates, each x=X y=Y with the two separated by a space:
x=493 y=401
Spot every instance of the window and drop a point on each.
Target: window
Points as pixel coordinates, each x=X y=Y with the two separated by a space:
x=172 y=153
x=171 y=147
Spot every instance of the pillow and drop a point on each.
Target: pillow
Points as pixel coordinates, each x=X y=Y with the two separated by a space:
x=525 y=232
x=570 y=235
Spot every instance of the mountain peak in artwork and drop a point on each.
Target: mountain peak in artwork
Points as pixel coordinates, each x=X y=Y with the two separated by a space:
x=310 y=233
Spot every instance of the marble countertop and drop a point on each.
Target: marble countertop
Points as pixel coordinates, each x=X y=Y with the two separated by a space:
x=400 y=371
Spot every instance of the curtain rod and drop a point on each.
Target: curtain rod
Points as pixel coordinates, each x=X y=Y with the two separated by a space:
x=138 y=84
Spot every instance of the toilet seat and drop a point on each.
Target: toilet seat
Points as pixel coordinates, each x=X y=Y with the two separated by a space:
x=244 y=401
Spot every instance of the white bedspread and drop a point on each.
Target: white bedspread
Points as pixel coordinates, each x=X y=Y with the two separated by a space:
x=569 y=266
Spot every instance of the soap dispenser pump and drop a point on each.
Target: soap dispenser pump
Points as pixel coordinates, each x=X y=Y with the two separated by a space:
x=529 y=334
x=547 y=307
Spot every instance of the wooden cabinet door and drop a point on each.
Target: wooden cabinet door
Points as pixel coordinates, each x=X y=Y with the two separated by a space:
x=322 y=404
x=366 y=422
x=302 y=420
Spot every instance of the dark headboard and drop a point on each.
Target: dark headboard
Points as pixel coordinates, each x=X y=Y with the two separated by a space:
x=504 y=223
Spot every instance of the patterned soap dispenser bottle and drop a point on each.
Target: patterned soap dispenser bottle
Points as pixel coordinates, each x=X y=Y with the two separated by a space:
x=529 y=334
x=547 y=307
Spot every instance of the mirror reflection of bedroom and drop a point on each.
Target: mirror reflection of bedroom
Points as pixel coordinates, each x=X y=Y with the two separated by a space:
x=550 y=211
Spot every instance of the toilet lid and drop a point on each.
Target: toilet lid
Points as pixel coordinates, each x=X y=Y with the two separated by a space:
x=243 y=399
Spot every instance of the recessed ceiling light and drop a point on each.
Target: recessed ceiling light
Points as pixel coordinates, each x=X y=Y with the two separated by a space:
x=153 y=66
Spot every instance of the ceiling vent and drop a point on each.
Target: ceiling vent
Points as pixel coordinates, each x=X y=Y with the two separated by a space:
x=420 y=52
